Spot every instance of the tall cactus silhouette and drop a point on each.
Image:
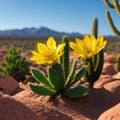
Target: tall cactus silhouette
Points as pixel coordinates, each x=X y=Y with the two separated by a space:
x=95 y=64
x=65 y=57
x=115 y=5
x=95 y=27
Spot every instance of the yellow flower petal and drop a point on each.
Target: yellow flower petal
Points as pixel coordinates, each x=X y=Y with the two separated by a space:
x=34 y=58
x=51 y=43
x=100 y=38
x=79 y=44
x=47 y=54
x=88 y=47
x=73 y=45
x=78 y=41
x=41 y=47
x=34 y=52
x=60 y=48
x=41 y=62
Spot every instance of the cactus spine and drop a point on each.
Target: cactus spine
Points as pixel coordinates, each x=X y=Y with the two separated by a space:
x=115 y=6
x=65 y=57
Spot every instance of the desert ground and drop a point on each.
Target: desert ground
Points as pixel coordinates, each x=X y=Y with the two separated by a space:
x=18 y=102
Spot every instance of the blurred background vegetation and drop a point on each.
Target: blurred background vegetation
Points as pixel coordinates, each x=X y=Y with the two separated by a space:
x=26 y=44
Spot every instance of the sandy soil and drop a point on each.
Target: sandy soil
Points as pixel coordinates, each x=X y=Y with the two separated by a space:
x=104 y=96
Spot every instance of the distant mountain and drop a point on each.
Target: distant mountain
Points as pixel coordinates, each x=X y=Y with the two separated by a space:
x=42 y=31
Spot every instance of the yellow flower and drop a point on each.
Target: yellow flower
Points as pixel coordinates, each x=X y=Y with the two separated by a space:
x=88 y=47
x=47 y=54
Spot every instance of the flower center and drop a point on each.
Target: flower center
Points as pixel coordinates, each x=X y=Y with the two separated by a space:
x=50 y=54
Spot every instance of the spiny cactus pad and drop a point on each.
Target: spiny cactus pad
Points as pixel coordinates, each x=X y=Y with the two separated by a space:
x=76 y=92
x=42 y=90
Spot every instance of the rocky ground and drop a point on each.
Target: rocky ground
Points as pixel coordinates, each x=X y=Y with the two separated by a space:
x=18 y=102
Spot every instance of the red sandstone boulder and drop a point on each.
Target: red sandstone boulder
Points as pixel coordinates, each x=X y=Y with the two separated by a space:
x=88 y=107
x=111 y=114
x=117 y=76
x=7 y=84
x=10 y=109
x=114 y=87
x=110 y=58
x=39 y=104
x=108 y=69
x=104 y=79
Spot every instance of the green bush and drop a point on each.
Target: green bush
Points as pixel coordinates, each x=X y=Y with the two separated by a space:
x=15 y=65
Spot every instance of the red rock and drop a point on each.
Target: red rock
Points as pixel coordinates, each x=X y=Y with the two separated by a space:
x=110 y=58
x=43 y=111
x=88 y=107
x=104 y=79
x=117 y=76
x=113 y=86
x=111 y=114
x=7 y=84
x=10 y=109
x=108 y=69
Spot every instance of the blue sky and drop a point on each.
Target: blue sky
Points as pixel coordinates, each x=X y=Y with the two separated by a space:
x=60 y=15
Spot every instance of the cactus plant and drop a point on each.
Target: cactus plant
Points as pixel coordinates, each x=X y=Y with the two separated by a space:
x=95 y=64
x=91 y=51
x=95 y=27
x=65 y=57
x=55 y=82
x=116 y=6
x=16 y=65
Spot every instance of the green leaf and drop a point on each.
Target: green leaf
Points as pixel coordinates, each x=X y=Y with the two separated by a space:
x=100 y=65
x=42 y=90
x=40 y=77
x=56 y=76
x=65 y=57
x=77 y=91
x=80 y=74
x=72 y=74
